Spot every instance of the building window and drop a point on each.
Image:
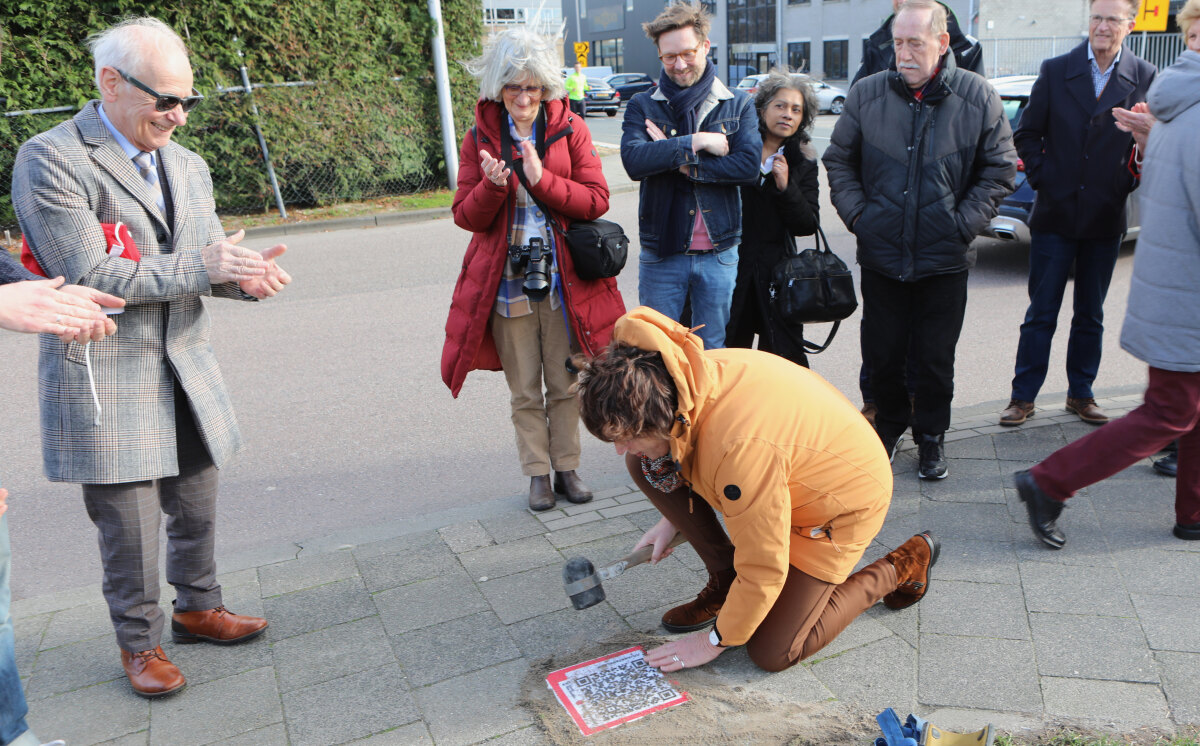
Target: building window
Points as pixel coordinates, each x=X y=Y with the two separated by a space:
x=799 y=55
x=609 y=53
x=836 y=54
x=799 y=2
x=751 y=21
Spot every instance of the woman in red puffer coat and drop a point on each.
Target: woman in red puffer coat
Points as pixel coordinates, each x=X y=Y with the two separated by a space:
x=527 y=319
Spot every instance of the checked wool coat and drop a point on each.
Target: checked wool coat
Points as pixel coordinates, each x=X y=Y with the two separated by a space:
x=66 y=182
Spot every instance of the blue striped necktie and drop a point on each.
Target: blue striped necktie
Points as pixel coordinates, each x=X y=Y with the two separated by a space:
x=146 y=168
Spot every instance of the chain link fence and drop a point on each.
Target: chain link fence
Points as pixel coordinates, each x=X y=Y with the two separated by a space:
x=1024 y=56
x=326 y=144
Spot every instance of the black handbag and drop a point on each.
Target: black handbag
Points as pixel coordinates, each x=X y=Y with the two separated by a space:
x=599 y=248
x=809 y=287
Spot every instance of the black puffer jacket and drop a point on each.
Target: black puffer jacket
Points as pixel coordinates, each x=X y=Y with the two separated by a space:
x=917 y=181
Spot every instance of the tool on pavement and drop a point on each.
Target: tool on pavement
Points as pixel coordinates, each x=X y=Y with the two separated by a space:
x=584 y=582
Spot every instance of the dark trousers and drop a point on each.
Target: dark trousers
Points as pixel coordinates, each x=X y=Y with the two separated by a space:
x=127 y=519
x=808 y=613
x=579 y=106
x=927 y=314
x=1171 y=410
x=752 y=314
x=1050 y=260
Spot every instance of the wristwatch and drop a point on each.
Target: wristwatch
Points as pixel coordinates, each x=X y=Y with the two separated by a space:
x=714 y=638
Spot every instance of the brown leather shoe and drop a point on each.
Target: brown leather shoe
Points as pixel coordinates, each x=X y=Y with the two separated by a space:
x=868 y=410
x=1017 y=412
x=703 y=610
x=568 y=483
x=541 y=497
x=912 y=560
x=1087 y=410
x=151 y=674
x=219 y=625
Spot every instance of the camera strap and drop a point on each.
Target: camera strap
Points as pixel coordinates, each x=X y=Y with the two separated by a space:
x=507 y=151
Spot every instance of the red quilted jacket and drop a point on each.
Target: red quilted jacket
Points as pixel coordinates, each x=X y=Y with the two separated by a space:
x=573 y=188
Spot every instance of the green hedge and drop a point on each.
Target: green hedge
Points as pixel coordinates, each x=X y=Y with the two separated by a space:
x=355 y=134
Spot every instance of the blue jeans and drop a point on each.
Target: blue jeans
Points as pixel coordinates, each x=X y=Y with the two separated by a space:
x=12 y=697
x=1050 y=259
x=664 y=282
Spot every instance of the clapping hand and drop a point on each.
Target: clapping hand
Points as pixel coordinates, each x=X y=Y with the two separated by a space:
x=228 y=262
x=272 y=281
x=531 y=163
x=495 y=170
x=1136 y=120
x=72 y=313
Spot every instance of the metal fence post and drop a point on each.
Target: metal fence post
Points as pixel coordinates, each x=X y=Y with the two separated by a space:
x=262 y=143
x=445 y=103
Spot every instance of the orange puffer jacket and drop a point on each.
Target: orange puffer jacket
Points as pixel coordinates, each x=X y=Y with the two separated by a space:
x=799 y=475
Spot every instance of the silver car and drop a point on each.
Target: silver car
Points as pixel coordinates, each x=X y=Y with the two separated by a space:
x=829 y=98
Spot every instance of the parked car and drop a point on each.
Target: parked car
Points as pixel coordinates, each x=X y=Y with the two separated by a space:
x=1012 y=221
x=829 y=98
x=627 y=84
x=601 y=96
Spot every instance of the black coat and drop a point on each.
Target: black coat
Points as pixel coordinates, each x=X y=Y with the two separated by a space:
x=880 y=55
x=917 y=181
x=769 y=216
x=1075 y=157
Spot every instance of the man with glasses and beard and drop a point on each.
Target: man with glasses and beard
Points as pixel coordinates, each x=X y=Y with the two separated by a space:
x=141 y=419
x=691 y=142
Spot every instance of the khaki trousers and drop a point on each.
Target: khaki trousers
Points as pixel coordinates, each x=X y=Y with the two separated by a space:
x=808 y=614
x=533 y=349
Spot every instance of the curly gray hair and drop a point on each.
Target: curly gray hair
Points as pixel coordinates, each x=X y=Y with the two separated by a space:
x=513 y=53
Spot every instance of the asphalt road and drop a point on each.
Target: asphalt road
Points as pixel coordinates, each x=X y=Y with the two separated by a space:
x=337 y=387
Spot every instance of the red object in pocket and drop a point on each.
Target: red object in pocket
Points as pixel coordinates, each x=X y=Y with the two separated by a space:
x=116 y=235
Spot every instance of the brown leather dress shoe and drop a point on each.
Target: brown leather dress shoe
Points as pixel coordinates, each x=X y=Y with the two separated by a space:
x=568 y=483
x=219 y=625
x=1087 y=410
x=1017 y=412
x=912 y=560
x=702 y=611
x=151 y=674
x=541 y=497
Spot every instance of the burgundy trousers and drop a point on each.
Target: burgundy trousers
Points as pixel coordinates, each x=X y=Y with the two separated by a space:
x=808 y=613
x=1170 y=411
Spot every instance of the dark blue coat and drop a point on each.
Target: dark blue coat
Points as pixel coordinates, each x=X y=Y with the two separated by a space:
x=1075 y=157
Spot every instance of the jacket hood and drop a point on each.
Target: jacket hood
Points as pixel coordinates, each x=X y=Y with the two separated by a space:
x=1177 y=88
x=683 y=353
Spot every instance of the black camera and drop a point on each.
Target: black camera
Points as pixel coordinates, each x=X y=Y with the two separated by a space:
x=534 y=259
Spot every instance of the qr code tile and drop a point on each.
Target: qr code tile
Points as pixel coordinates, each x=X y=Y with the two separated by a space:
x=618 y=688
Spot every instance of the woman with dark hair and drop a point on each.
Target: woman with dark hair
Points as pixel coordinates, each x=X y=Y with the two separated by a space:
x=783 y=203
x=800 y=477
x=526 y=171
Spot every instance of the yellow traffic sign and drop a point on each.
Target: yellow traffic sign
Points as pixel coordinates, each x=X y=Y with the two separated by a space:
x=581 y=51
x=1152 y=16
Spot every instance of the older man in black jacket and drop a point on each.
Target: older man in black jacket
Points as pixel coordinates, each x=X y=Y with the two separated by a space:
x=1080 y=164
x=918 y=164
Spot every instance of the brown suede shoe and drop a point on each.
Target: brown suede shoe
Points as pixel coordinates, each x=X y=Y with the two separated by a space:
x=912 y=560
x=568 y=483
x=219 y=625
x=541 y=497
x=151 y=674
x=1017 y=412
x=1087 y=410
x=703 y=610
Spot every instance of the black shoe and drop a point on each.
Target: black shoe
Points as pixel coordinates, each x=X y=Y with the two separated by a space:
x=1187 y=533
x=931 y=456
x=891 y=444
x=1043 y=510
x=1168 y=465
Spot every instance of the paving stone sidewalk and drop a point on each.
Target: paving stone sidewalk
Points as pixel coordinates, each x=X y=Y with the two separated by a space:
x=424 y=638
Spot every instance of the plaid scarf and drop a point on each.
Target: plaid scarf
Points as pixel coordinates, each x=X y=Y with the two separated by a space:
x=528 y=222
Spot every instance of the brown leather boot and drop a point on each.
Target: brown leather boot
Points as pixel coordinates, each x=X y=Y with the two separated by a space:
x=541 y=497
x=219 y=625
x=912 y=561
x=1087 y=410
x=568 y=483
x=151 y=674
x=701 y=612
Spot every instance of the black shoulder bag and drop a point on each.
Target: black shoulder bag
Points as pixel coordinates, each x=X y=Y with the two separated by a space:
x=810 y=287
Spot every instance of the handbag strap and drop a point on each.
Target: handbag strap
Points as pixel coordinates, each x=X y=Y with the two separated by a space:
x=811 y=348
x=818 y=237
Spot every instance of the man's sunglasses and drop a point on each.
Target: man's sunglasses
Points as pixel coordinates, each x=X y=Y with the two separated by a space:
x=163 y=102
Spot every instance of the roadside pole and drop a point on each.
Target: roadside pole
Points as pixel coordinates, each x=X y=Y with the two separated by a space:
x=262 y=142
x=445 y=103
